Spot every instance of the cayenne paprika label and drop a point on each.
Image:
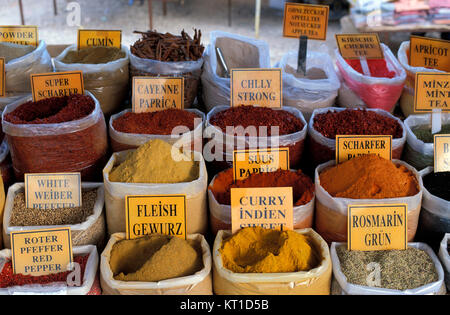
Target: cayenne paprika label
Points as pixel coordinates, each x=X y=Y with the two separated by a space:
x=305 y=20
x=355 y=46
x=429 y=53
x=270 y=208
x=105 y=38
x=56 y=84
x=432 y=91
x=377 y=227
x=442 y=153
x=19 y=34
x=351 y=146
x=148 y=214
x=2 y=77
x=41 y=252
x=156 y=93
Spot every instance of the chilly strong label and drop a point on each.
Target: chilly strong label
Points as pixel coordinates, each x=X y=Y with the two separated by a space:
x=153 y=94
x=56 y=84
x=247 y=162
x=430 y=53
x=351 y=146
x=305 y=20
x=432 y=91
x=354 y=46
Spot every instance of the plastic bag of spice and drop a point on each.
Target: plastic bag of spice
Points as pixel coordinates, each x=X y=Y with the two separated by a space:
x=73 y=146
x=90 y=284
x=376 y=92
x=313 y=282
x=317 y=90
x=6 y=168
x=331 y=218
x=444 y=256
x=91 y=231
x=121 y=141
x=323 y=149
x=341 y=286
x=115 y=192
x=407 y=98
x=108 y=82
x=199 y=283
x=239 y=52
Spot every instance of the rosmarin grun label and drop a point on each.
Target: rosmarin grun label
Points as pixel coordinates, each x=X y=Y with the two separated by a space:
x=19 y=34
x=149 y=214
x=261 y=87
x=2 y=77
x=355 y=46
x=377 y=227
x=442 y=153
x=305 y=20
x=250 y=161
x=351 y=146
x=56 y=84
x=41 y=252
x=156 y=93
x=432 y=91
x=267 y=207
x=93 y=38
x=46 y=191
x=430 y=53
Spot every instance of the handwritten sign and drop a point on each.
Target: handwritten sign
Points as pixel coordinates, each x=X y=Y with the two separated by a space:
x=432 y=91
x=2 y=77
x=305 y=20
x=19 y=34
x=355 y=46
x=105 y=38
x=442 y=153
x=430 y=53
x=351 y=146
x=56 y=84
x=247 y=162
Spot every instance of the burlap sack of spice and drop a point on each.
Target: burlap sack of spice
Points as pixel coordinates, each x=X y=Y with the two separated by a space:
x=199 y=283
x=115 y=192
x=90 y=284
x=239 y=52
x=90 y=232
x=418 y=153
x=313 y=282
x=220 y=215
x=107 y=81
x=342 y=287
x=121 y=141
x=331 y=218
x=444 y=256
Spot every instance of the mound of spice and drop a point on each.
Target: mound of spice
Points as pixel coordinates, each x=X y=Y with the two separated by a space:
x=246 y=116
x=302 y=186
x=369 y=177
x=424 y=132
x=156 y=123
x=258 y=250
x=11 y=51
x=94 y=55
x=9 y=279
x=154 y=257
x=377 y=67
x=438 y=184
x=356 y=122
x=23 y=216
x=400 y=269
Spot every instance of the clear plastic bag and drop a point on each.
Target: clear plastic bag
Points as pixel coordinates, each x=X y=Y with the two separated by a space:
x=90 y=232
x=6 y=168
x=380 y=93
x=108 y=82
x=239 y=52
x=199 y=283
x=445 y=258
x=345 y=288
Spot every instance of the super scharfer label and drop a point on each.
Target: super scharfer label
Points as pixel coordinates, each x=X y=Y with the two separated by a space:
x=56 y=84
x=305 y=20
x=250 y=161
x=19 y=34
x=105 y=38
x=351 y=146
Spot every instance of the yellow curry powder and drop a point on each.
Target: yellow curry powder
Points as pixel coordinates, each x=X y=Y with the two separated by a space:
x=156 y=162
x=258 y=250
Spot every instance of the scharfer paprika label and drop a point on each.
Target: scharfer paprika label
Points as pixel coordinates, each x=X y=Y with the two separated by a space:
x=105 y=38
x=305 y=20
x=429 y=53
x=56 y=84
x=442 y=153
x=19 y=34
x=355 y=46
x=432 y=91
x=2 y=77
x=351 y=146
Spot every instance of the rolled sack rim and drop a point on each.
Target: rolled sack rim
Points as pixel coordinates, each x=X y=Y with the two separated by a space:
x=29 y=58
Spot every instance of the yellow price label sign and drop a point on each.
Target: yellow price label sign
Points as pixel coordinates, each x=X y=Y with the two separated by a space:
x=56 y=84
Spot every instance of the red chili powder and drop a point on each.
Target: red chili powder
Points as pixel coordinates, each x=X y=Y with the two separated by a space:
x=155 y=123
x=246 y=116
x=9 y=279
x=302 y=185
x=52 y=110
x=377 y=67
x=356 y=122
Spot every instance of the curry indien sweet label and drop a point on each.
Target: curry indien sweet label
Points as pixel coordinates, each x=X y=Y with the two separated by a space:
x=42 y=251
x=305 y=20
x=105 y=38
x=355 y=46
x=56 y=84
x=2 y=77
x=429 y=53
x=377 y=227
x=351 y=146
x=267 y=207
x=152 y=94
x=149 y=214
x=432 y=91
x=45 y=191
x=19 y=34
x=261 y=87
x=442 y=153
x=250 y=161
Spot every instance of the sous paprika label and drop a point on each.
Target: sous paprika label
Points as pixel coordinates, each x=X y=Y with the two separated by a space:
x=46 y=191
x=105 y=38
x=148 y=214
x=429 y=53
x=41 y=252
x=56 y=84
x=268 y=207
x=355 y=46
x=442 y=153
x=156 y=93
x=2 y=77
x=262 y=87
x=247 y=162
x=377 y=227
x=19 y=34
x=305 y=20
x=351 y=146
x=432 y=91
